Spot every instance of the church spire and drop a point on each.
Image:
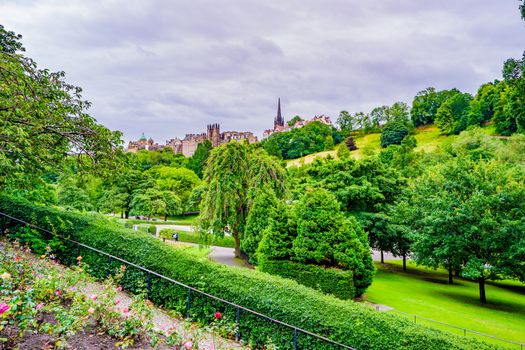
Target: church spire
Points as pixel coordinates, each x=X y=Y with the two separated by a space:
x=279 y=120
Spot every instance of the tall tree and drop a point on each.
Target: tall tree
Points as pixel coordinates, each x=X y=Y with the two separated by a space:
x=262 y=211
x=471 y=212
x=234 y=173
x=452 y=115
x=43 y=119
x=197 y=161
x=325 y=237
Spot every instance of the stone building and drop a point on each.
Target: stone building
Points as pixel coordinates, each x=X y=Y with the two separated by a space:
x=280 y=126
x=188 y=145
x=143 y=143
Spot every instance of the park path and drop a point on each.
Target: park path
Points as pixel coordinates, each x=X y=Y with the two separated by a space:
x=226 y=256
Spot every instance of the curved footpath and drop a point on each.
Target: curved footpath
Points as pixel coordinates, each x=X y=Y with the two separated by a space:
x=226 y=256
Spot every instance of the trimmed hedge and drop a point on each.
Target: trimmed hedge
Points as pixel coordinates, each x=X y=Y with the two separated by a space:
x=356 y=325
x=331 y=281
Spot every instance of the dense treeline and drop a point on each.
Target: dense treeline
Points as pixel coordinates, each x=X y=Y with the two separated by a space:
x=311 y=138
x=460 y=208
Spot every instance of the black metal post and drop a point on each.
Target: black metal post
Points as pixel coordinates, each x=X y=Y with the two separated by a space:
x=237 y=317
x=149 y=286
x=188 y=304
x=295 y=339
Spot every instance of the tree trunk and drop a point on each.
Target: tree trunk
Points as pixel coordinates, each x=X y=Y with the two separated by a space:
x=166 y=217
x=382 y=257
x=450 y=280
x=122 y=215
x=457 y=271
x=237 y=243
x=126 y=214
x=404 y=262
x=482 y=296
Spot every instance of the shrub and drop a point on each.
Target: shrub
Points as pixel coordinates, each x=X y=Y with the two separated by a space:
x=331 y=281
x=152 y=229
x=393 y=133
x=282 y=299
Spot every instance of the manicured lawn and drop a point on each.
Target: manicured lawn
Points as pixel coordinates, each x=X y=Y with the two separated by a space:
x=426 y=293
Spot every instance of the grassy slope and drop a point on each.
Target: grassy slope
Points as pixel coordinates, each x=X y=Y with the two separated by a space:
x=428 y=139
x=426 y=293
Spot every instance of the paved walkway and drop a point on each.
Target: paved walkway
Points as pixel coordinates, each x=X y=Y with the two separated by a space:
x=226 y=256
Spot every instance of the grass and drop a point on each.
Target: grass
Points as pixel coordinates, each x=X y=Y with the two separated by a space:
x=428 y=138
x=425 y=292
x=195 y=250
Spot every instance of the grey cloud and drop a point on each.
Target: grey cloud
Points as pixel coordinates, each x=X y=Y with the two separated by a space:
x=170 y=67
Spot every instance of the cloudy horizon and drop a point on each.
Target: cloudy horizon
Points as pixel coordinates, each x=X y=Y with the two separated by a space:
x=167 y=68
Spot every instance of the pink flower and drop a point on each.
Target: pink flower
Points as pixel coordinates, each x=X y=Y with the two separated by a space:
x=93 y=297
x=188 y=345
x=39 y=306
x=125 y=309
x=126 y=315
x=3 y=308
x=91 y=310
x=217 y=315
x=122 y=268
x=119 y=288
x=58 y=292
x=117 y=301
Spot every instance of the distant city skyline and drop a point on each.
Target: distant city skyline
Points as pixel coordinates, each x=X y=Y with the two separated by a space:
x=168 y=68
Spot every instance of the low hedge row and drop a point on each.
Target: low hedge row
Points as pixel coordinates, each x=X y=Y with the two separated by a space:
x=191 y=237
x=283 y=299
x=331 y=281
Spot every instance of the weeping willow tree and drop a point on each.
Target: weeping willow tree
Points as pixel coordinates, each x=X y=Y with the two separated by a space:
x=235 y=172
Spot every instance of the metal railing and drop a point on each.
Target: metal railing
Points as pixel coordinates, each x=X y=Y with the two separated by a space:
x=296 y=330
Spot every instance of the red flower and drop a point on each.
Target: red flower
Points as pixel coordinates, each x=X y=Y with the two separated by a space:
x=218 y=315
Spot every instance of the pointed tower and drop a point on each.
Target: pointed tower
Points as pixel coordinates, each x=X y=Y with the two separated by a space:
x=279 y=120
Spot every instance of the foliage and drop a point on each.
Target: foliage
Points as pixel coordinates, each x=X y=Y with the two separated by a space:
x=43 y=120
x=426 y=103
x=393 y=133
x=73 y=197
x=33 y=288
x=342 y=151
x=294 y=120
x=452 y=115
x=234 y=173
x=302 y=141
x=180 y=181
x=338 y=282
x=470 y=213
x=347 y=322
x=326 y=238
x=263 y=210
x=197 y=161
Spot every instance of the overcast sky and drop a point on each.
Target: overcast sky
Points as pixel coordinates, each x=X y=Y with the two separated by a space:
x=167 y=68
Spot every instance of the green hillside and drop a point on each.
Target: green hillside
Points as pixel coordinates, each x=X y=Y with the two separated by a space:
x=428 y=138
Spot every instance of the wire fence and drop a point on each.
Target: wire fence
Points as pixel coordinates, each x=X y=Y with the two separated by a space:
x=191 y=291
x=464 y=331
